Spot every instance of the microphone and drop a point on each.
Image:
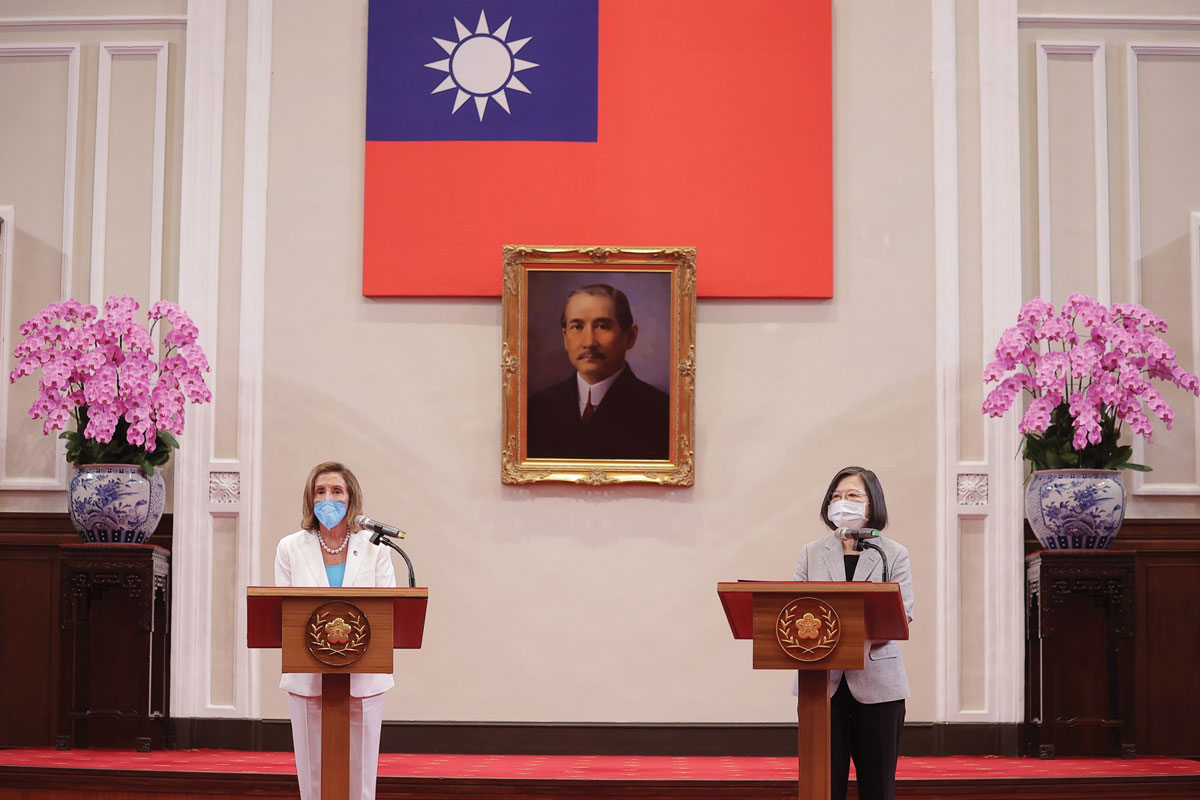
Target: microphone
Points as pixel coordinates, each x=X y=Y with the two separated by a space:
x=857 y=534
x=860 y=537
x=366 y=523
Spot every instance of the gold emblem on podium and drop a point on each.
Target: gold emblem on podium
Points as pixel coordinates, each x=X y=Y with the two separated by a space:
x=337 y=634
x=808 y=629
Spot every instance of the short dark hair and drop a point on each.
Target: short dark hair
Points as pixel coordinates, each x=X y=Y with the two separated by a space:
x=619 y=300
x=877 y=516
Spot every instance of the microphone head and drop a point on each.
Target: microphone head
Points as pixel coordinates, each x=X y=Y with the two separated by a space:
x=857 y=533
x=362 y=521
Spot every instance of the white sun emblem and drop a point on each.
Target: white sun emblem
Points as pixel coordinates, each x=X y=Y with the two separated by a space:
x=481 y=65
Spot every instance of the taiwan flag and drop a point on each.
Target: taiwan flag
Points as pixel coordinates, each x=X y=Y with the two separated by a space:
x=631 y=123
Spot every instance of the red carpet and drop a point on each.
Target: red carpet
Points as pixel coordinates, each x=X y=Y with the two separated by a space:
x=649 y=768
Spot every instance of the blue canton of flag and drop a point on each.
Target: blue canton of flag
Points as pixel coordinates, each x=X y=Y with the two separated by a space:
x=482 y=70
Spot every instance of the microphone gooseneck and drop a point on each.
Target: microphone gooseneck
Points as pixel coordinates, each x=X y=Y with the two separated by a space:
x=378 y=538
x=860 y=544
x=379 y=531
x=860 y=537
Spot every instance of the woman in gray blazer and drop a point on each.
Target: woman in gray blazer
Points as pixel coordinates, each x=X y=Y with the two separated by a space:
x=867 y=705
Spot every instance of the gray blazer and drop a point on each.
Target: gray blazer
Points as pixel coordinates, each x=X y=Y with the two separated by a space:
x=884 y=677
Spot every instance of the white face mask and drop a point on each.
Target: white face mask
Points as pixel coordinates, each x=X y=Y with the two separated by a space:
x=848 y=514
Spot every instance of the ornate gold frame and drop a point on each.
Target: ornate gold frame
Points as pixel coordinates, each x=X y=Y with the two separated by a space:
x=679 y=468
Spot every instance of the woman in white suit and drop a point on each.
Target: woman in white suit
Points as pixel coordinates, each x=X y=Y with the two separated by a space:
x=329 y=551
x=867 y=705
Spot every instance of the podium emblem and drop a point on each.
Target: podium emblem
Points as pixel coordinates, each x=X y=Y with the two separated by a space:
x=808 y=629
x=337 y=634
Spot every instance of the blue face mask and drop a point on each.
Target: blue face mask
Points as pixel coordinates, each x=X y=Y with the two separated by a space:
x=330 y=512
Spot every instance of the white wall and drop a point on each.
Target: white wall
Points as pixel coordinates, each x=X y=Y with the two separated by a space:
x=565 y=603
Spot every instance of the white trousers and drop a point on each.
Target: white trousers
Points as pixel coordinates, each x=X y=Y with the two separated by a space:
x=366 y=721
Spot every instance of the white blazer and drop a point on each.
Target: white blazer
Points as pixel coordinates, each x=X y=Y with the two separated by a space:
x=883 y=678
x=298 y=562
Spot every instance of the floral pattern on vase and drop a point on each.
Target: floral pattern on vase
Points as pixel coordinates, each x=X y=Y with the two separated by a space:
x=1075 y=509
x=115 y=503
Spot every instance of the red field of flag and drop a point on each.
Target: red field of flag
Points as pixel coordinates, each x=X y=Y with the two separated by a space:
x=715 y=131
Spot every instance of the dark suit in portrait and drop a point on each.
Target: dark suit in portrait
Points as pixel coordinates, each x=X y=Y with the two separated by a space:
x=633 y=421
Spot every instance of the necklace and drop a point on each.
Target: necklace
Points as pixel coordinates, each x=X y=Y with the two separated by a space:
x=331 y=550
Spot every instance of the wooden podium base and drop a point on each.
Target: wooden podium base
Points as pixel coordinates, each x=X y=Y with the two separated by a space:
x=335 y=736
x=280 y=617
x=812 y=711
x=843 y=617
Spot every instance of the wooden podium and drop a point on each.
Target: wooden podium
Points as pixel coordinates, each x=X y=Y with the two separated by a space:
x=813 y=627
x=335 y=632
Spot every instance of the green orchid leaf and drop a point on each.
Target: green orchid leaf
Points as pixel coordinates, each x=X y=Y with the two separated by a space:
x=1054 y=448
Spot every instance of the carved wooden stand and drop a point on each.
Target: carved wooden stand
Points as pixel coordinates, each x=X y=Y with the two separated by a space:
x=335 y=643
x=105 y=647
x=812 y=628
x=1079 y=653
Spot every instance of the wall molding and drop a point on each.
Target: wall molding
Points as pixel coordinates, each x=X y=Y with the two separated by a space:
x=1140 y=485
x=108 y=51
x=1000 y=242
x=1096 y=50
x=1107 y=20
x=8 y=221
x=1133 y=52
x=66 y=270
x=84 y=21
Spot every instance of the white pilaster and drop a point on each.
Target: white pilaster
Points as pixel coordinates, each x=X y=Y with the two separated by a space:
x=946 y=286
x=199 y=243
x=1000 y=207
x=253 y=312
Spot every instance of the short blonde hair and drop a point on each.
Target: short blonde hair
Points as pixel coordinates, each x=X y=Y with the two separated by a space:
x=308 y=520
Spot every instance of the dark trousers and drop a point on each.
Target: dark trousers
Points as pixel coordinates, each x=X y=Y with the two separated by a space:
x=870 y=734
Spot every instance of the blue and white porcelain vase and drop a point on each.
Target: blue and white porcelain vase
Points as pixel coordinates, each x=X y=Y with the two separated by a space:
x=1075 y=509
x=115 y=503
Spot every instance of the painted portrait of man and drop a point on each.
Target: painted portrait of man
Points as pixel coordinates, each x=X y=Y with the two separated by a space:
x=602 y=409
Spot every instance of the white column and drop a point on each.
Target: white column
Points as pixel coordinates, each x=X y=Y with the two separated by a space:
x=1000 y=207
x=199 y=246
x=208 y=488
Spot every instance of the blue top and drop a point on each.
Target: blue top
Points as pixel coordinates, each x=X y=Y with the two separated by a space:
x=336 y=574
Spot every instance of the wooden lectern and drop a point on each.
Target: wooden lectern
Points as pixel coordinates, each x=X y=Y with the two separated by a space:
x=335 y=632
x=813 y=627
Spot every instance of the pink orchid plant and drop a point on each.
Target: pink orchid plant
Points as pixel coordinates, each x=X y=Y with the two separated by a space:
x=100 y=372
x=1084 y=387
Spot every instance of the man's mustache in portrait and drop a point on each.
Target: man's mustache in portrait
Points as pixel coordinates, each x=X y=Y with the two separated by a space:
x=591 y=354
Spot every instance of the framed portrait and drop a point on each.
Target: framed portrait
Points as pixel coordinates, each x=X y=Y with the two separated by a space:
x=598 y=366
